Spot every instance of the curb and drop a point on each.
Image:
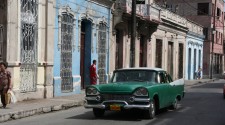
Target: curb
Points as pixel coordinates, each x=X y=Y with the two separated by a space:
x=200 y=82
x=41 y=110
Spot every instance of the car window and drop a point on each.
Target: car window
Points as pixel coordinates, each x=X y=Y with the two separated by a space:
x=167 y=79
x=134 y=75
x=162 y=78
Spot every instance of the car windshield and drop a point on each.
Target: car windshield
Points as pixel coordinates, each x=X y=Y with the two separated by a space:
x=134 y=75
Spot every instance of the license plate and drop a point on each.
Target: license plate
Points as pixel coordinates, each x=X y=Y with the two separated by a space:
x=115 y=107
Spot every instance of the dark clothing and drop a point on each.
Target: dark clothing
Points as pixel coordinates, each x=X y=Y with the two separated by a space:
x=4 y=85
x=3 y=98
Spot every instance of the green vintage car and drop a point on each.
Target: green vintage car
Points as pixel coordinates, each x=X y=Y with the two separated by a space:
x=147 y=89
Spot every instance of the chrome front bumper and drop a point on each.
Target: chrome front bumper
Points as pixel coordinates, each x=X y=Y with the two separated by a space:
x=101 y=106
x=125 y=104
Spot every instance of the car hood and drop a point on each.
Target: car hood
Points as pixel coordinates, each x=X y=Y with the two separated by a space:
x=121 y=88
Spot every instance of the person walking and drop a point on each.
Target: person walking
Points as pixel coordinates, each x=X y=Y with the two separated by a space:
x=5 y=82
x=199 y=72
x=93 y=73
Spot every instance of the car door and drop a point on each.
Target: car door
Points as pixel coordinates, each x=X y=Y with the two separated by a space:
x=165 y=90
x=170 y=89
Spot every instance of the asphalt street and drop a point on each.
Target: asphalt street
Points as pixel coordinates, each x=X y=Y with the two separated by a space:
x=203 y=105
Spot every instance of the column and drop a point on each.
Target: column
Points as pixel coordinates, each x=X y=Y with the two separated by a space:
x=50 y=15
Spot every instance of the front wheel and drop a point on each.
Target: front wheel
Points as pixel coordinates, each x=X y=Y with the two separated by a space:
x=150 y=113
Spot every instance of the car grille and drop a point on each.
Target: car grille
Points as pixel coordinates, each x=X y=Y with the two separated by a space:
x=107 y=97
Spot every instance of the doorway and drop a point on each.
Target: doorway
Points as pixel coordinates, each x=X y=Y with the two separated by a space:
x=170 y=59
x=189 y=63
x=143 y=52
x=181 y=57
x=119 y=49
x=158 y=53
x=85 y=52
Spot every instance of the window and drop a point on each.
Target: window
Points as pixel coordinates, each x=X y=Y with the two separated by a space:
x=135 y=75
x=169 y=7
x=203 y=8
x=168 y=78
x=205 y=32
x=66 y=52
x=140 y=2
x=102 y=53
x=28 y=41
x=218 y=12
x=161 y=78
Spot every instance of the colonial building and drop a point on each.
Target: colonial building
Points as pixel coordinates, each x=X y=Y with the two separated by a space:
x=208 y=13
x=168 y=44
x=194 y=49
x=26 y=42
x=161 y=38
x=148 y=18
x=81 y=35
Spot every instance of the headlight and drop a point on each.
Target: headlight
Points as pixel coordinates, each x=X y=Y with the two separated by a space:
x=92 y=91
x=141 y=92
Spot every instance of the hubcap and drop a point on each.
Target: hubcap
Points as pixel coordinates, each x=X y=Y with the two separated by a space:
x=152 y=109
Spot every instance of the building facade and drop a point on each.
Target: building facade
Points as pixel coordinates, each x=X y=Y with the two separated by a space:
x=194 y=50
x=168 y=44
x=81 y=36
x=148 y=18
x=209 y=14
x=26 y=42
x=160 y=41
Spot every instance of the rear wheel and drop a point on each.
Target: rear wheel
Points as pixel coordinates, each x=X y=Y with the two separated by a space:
x=98 y=112
x=150 y=113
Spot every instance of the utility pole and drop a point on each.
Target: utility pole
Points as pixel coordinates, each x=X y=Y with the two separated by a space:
x=133 y=33
x=213 y=35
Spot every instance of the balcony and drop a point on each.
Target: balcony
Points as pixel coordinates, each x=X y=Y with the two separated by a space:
x=151 y=13
x=140 y=10
x=144 y=11
x=173 y=17
x=124 y=5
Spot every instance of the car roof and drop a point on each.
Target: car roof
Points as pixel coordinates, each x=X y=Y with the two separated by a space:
x=141 y=68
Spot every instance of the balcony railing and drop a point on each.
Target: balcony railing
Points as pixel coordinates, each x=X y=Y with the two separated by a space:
x=151 y=13
x=194 y=27
x=173 y=17
x=125 y=5
x=145 y=11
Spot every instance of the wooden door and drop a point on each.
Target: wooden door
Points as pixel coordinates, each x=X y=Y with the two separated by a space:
x=82 y=50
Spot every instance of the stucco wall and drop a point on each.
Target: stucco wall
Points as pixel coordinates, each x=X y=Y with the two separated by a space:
x=97 y=13
x=193 y=43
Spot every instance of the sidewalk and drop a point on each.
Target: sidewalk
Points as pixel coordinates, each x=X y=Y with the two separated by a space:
x=39 y=106
x=33 y=107
x=197 y=81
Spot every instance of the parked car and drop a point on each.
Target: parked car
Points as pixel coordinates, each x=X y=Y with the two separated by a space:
x=147 y=89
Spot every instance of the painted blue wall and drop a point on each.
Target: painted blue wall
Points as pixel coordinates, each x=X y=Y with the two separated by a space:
x=193 y=42
x=80 y=6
